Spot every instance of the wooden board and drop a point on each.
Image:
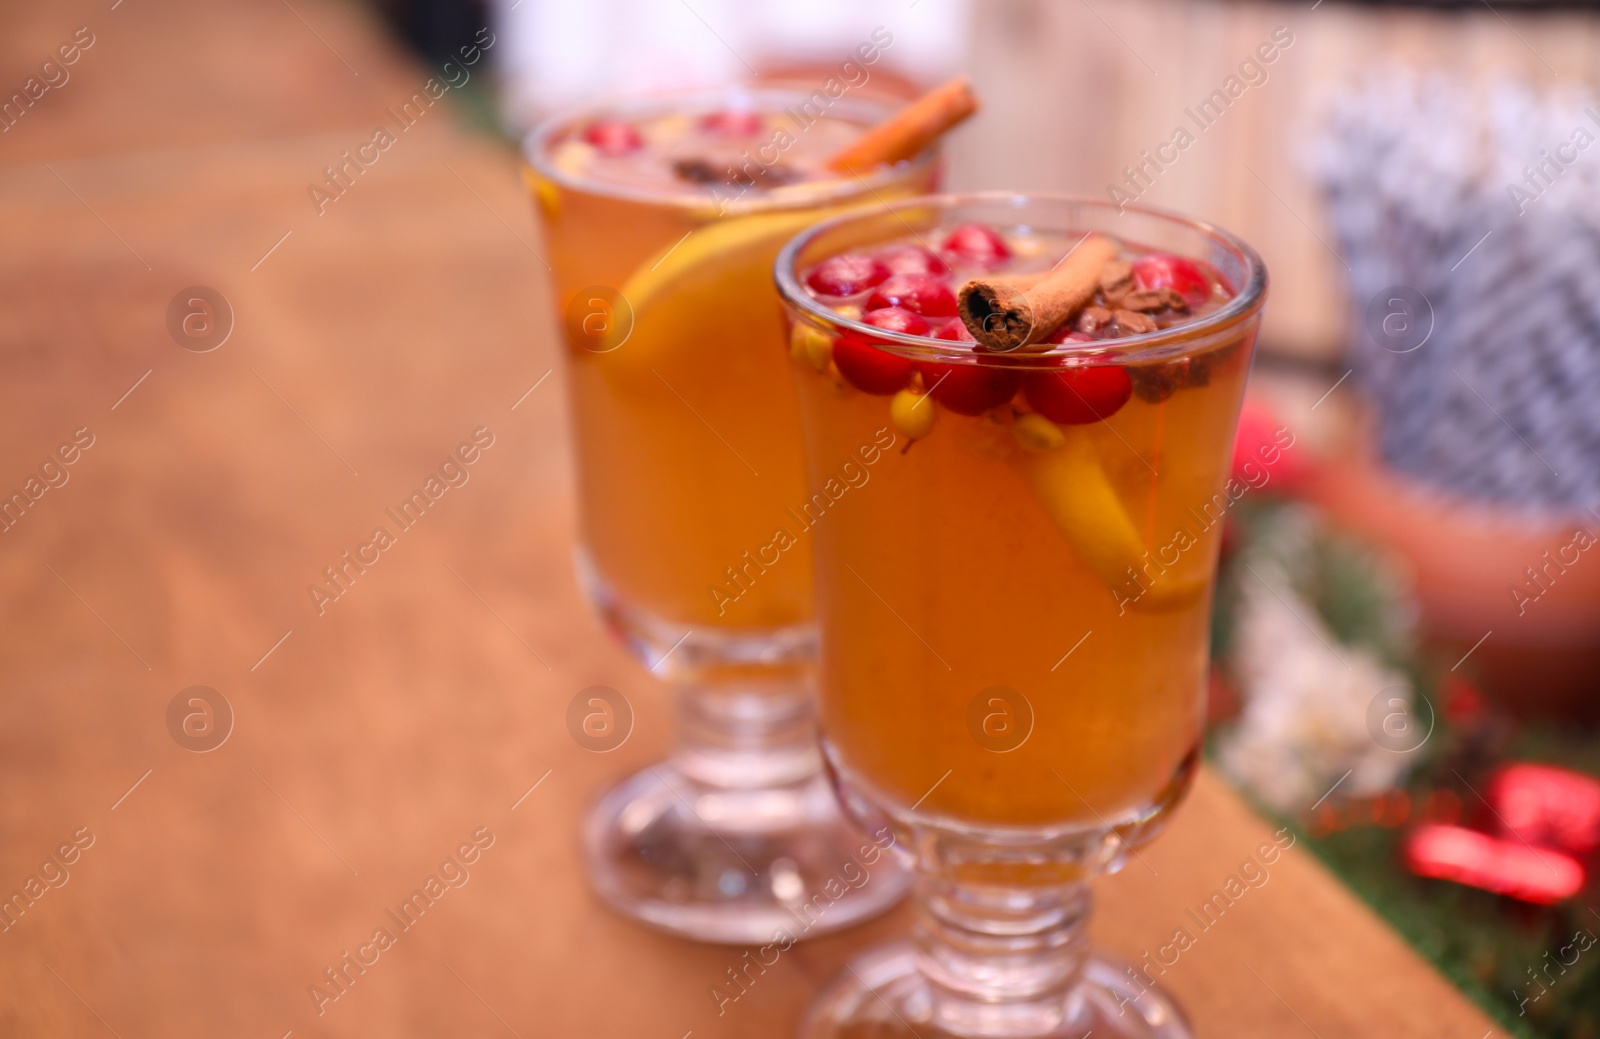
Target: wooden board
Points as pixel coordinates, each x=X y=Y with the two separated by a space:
x=427 y=702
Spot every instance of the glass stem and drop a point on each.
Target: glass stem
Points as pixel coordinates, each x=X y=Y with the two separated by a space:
x=1001 y=961
x=746 y=733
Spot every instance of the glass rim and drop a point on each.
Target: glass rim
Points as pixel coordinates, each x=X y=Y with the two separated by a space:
x=1245 y=305
x=666 y=102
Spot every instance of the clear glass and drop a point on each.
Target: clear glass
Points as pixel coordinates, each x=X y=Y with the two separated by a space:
x=1013 y=640
x=688 y=464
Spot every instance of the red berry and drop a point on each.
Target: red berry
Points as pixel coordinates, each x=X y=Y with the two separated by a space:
x=732 y=122
x=911 y=259
x=1076 y=394
x=873 y=370
x=919 y=293
x=955 y=331
x=897 y=319
x=613 y=137
x=846 y=275
x=1067 y=334
x=977 y=245
x=968 y=389
x=1165 y=271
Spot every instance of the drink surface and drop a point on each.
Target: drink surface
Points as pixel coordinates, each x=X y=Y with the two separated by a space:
x=693 y=155
x=661 y=229
x=1015 y=613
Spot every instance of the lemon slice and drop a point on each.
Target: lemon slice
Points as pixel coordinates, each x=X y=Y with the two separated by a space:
x=708 y=293
x=719 y=245
x=544 y=192
x=718 y=276
x=716 y=279
x=1076 y=493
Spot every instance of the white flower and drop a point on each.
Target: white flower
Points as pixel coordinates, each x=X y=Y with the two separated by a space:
x=1309 y=716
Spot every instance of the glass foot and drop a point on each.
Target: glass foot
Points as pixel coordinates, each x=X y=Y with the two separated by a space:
x=739 y=866
x=882 y=995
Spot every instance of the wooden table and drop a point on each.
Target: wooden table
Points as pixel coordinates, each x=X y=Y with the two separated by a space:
x=427 y=702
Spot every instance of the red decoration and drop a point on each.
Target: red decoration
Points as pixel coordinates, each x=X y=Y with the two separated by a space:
x=1393 y=810
x=1222 y=699
x=1266 y=452
x=1506 y=867
x=1463 y=702
x=1549 y=806
x=1442 y=806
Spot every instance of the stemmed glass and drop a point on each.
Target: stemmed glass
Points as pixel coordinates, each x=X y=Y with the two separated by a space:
x=1014 y=632
x=691 y=495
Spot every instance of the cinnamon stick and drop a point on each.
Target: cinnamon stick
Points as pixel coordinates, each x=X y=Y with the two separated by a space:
x=908 y=132
x=1008 y=313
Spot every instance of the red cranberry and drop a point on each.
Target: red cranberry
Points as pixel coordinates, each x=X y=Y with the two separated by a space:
x=977 y=245
x=613 y=137
x=870 y=369
x=968 y=389
x=1067 y=334
x=955 y=331
x=1078 y=394
x=897 y=319
x=911 y=259
x=732 y=122
x=1165 y=271
x=919 y=293
x=846 y=275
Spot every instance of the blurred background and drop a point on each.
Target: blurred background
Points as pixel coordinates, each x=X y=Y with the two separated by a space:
x=1419 y=463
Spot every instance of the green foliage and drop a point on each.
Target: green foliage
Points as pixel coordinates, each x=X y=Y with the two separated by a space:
x=1502 y=954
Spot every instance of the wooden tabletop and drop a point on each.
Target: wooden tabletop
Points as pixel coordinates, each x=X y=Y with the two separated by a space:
x=209 y=891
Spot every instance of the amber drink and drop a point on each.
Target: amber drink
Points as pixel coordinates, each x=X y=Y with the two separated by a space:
x=1014 y=614
x=661 y=220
